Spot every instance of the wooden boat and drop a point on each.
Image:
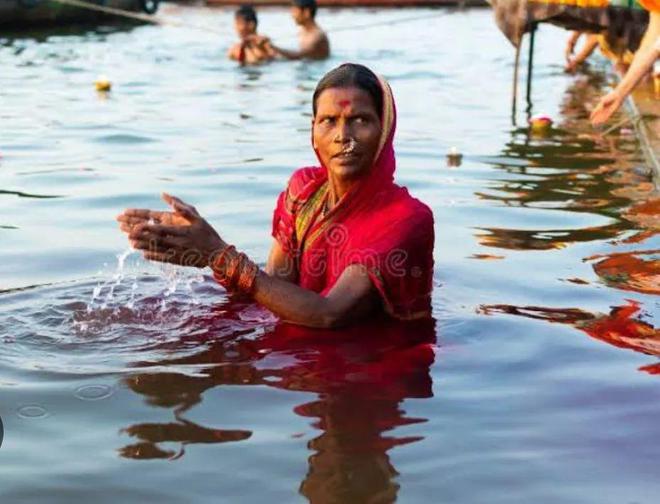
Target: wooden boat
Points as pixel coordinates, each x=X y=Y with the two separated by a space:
x=363 y=3
x=28 y=13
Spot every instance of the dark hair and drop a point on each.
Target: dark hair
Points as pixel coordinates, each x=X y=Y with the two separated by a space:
x=306 y=4
x=351 y=75
x=247 y=13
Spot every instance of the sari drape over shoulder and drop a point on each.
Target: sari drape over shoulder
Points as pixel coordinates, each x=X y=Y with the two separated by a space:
x=376 y=224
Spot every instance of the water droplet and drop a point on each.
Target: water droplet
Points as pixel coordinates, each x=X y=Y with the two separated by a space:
x=32 y=411
x=94 y=392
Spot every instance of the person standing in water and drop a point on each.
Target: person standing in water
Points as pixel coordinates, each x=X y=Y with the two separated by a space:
x=348 y=242
x=314 y=43
x=252 y=48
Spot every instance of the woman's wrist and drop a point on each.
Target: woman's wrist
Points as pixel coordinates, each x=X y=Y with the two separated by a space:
x=234 y=270
x=219 y=259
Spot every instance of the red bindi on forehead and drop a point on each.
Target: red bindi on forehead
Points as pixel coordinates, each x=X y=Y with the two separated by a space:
x=344 y=103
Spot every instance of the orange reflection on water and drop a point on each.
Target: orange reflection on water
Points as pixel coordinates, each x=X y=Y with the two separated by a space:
x=622 y=327
x=645 y=214
x=637 y=271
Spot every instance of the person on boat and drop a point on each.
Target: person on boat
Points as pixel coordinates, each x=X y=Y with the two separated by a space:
x=645 y=57
x=616 y=52
x=574 y=61
x=314 y=43
x=251 y=49
x=348 y=242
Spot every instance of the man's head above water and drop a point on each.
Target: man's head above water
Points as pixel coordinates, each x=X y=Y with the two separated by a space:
x=245 y=21
x=303 y=10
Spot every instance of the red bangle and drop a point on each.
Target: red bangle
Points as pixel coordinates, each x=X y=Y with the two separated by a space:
x=248 y=276
x=232 y=268
x=237 y=273
x=218 y=264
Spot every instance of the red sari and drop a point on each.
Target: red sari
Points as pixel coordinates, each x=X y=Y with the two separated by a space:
x=376 y=224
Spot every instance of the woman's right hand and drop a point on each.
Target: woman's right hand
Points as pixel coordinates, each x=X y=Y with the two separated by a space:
x=180 y=237
x=132 y=217
x=606 y=107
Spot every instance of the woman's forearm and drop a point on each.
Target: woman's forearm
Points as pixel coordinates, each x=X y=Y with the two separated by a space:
x=276 y=288
x=641 y=65
x=296 y=304
x=644 y=57
x=589 y=47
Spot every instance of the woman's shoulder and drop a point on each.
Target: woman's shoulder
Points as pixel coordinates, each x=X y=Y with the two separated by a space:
x=304 y=180
x=407 y=207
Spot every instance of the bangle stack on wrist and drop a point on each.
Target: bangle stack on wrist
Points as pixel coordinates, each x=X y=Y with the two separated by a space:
x=234 y=271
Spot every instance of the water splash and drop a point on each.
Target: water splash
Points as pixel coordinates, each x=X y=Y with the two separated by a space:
x=122 y=288
x=110 y=285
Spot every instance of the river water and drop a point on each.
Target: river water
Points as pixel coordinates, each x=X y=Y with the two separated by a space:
x=123 y=381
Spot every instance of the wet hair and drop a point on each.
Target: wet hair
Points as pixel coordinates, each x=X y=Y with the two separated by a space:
x=247 y=14
x=306 y=4
x=351 y=75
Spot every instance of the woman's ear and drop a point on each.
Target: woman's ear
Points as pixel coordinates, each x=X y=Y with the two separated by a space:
x=313 y=139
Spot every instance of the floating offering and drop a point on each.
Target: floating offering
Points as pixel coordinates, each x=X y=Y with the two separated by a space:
x=540 y=123
x=454 y=157
x=102 y=83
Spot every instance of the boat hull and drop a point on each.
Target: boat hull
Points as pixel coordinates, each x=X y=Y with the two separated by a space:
x=28 y=13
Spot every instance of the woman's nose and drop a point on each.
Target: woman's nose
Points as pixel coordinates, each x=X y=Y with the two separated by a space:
x=343 y=132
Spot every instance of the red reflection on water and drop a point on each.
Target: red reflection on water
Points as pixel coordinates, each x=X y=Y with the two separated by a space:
x=637 y=271
x=619 y=328
x=361 y=375
x=645 y=214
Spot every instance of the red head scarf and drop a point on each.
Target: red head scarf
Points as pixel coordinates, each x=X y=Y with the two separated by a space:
x=376 y=224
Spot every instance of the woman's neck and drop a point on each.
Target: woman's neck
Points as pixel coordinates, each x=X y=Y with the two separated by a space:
x=337 y=189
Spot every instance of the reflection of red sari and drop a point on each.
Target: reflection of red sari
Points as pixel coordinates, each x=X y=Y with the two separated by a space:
x=377 y=224
x=378 y=359
x=361 y=375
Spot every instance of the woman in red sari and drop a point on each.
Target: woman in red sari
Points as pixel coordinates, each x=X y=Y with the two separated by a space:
x=349 y=242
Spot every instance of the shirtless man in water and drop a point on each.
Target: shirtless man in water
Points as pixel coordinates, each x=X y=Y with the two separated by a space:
x=314 y=43
x=252 y=48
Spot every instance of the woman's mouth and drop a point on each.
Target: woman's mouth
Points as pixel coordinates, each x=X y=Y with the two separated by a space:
x=348 y=153
x=347 y=156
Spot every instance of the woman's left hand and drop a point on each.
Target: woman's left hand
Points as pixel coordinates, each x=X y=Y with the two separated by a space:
x=180 y=237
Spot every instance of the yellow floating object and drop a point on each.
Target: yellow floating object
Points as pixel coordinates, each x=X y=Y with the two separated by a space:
x=102 y=83
x=540 y=123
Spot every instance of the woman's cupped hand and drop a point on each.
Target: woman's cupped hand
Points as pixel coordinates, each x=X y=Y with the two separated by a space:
x=180 y=236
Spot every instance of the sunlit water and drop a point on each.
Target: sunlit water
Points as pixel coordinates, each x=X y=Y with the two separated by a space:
x=128 y=382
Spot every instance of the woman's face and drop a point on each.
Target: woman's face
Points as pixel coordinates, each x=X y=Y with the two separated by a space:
x=346 y=132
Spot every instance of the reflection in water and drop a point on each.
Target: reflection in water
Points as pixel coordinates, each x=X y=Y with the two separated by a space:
x=646 y=215
x=570 y=171
x=618 y=328
x=637 y=271
x=543 y=239
x=361 y=376
x=183 y=431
